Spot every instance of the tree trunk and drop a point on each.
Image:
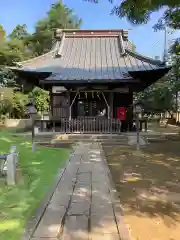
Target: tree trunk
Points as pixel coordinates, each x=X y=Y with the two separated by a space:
x=176 y=101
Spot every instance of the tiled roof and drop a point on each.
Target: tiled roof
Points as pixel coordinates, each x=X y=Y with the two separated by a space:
x=91 y=56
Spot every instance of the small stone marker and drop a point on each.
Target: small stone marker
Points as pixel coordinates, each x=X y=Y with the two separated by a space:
x=11 y=169
x=36 y=130
x=13 y=150
x=33 y=147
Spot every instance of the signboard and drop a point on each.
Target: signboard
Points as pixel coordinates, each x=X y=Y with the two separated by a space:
x=121 y=113
x=58 y=89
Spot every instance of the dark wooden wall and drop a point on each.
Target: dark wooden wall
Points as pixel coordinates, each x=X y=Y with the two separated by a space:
x=60 y=105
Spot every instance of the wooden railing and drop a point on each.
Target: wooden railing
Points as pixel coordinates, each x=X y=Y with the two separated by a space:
x=81 y=125
x=85 y=125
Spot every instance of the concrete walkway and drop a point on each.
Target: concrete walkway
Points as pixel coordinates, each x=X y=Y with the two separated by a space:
x=83 y=206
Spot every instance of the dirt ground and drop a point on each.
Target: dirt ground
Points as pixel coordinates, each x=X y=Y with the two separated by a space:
x=148 y=183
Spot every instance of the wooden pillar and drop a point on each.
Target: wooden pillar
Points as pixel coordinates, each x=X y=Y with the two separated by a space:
x=69 y=103
x=111 y=96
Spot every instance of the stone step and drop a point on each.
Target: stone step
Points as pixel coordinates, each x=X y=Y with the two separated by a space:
x=124 y=142
x=61 y=144
x=82 y=137
x=89 y=136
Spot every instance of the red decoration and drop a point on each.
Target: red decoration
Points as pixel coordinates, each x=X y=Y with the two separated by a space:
x=121 y=113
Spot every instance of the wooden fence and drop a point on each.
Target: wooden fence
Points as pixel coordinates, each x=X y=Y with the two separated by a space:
x=84 y=125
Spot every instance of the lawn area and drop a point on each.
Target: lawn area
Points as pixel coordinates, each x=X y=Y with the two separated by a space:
x=148 y=184
x=38 y=170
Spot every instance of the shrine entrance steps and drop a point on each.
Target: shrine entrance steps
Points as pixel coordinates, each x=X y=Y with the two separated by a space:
x=112 y=139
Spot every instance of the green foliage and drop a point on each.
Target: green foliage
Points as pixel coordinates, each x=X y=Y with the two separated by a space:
x=170 y=18
x=2 y=33
x=21 y=45
x=19 y=32
x=41 y=99
x=140 y=11
x=13 y=105
x=12 y=51
x=163 y=95
x=7 y=78
x=59 y=16
x=157 y=99
x=175 y=48
x=19 y=105
x=36 y=174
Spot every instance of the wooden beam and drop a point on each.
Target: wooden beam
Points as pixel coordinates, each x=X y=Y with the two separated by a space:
x=120 y=90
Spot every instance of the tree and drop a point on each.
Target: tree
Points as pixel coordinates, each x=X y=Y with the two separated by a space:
x=15 y=47
x=2 y=34
x=174 y=74
x=12 y=104
x=59 y=16
x=7 y=78
x=19 y=32
x=164 y=95
x=20 y=45
x=157 y=99
x=41 y=98
x=139 y=11
x=175 y=48
x=12 y=51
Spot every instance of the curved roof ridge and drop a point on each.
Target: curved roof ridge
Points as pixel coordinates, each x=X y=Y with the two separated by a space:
x=59 y=49
x=121 y=42
x=38 y=57
x=145 y=58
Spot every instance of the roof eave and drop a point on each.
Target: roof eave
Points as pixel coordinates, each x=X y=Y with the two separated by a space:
x=92 y=81
x=30 y=77
x=150 y=76
x=145 y=58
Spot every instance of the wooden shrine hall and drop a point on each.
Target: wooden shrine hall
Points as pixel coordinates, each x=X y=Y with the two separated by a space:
x=91 y=76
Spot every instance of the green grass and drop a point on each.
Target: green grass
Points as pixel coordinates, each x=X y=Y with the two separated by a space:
x=37 y=172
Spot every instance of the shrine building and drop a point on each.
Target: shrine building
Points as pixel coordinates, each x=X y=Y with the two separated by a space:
x=91 y=75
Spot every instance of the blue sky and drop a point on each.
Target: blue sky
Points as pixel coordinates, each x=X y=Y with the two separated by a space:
x=95 y=16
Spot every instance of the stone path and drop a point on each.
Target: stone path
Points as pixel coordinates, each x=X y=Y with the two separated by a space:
x=83 y=206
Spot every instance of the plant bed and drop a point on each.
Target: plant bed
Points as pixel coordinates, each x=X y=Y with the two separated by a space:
x=148 y=187
x=37 y=171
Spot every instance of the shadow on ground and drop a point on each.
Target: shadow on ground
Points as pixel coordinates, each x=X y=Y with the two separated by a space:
x=148 y=186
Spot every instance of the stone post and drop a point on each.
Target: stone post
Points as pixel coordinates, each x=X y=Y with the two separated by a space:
x=11 y=169
x=13 y=150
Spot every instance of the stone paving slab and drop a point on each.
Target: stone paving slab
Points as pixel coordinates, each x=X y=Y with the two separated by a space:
x=82 y=206
x=50 y=224
x=76 y=228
